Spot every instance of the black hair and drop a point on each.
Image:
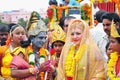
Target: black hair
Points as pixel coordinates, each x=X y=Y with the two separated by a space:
x=111 y=16
x=62 y=22
x=25 y=43
x=115 y=17
x=11 y=24
x=107 y=16
x=107 y=46
x=4 y=28
x=53 y=2
x=57 y=41
x=98 y=15
x=118 y=38
x=13 y=27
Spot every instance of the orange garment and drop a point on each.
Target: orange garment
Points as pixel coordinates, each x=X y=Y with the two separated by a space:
x=2 y=50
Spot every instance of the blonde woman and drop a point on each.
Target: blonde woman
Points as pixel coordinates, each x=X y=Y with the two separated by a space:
x=80 y=58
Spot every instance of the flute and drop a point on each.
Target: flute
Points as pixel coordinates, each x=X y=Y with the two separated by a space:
x=46 y=73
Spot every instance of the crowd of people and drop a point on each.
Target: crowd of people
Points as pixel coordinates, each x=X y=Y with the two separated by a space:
x=70 y=51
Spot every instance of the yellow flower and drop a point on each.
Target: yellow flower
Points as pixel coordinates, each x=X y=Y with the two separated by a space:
x=111 y=64
x=72 y=59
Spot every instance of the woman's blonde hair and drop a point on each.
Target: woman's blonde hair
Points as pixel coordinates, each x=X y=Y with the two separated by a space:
x=77 y=24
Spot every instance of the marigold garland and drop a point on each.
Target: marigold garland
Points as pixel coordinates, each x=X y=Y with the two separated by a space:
x=72 y=59
x=86 y=11
x=111 y=65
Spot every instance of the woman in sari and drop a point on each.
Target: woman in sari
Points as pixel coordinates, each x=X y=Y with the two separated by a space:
x=80 y=58
x=17 y=33
x=114 y=60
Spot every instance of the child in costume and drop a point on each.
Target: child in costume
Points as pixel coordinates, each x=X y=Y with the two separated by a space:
x=58 y=41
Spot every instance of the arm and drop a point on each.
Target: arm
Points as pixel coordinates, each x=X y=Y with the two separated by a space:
x=16 y=73
x=20 y=68
x=99 y=72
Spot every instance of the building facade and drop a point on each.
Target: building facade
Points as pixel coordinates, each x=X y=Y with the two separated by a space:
x=14 y=15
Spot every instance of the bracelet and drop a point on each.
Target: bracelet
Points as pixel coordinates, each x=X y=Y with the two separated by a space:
x=31 y=70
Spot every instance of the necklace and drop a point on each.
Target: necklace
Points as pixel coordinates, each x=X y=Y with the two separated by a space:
x=111 y=65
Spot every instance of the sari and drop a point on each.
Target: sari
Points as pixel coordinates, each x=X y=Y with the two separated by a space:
x=19 y=63
x=90 y=63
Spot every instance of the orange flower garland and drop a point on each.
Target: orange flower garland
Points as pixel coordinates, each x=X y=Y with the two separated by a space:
x=86 y=11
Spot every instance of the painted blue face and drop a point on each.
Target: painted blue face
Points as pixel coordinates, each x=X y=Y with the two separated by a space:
x=39 y=40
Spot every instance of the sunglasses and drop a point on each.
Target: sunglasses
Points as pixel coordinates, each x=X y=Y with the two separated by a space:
x=66 y=25
x=106 y=24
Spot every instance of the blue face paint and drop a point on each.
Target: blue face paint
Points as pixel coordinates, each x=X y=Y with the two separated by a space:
x=39 y=40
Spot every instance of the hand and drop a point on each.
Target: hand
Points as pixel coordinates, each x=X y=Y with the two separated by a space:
x=118 y=74
x=55 y=62
x=45 y=66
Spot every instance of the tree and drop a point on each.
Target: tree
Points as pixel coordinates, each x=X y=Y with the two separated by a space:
x=22 y=22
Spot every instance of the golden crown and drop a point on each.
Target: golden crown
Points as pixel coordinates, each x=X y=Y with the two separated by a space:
x=58 y=34
x=114 y=32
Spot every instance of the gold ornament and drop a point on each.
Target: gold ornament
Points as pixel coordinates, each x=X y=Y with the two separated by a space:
x=58 y=34
x=114 y=32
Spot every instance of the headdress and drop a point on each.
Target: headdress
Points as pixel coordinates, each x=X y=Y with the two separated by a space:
x=58 y=34
x=114 y=32
x=35 y=24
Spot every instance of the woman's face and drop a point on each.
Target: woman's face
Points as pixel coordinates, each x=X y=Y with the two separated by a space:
x=114 y=45
x=76 y=35
x=18 y=35
x=39 y=40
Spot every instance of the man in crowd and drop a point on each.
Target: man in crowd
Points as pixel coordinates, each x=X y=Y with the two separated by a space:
x=4 y=31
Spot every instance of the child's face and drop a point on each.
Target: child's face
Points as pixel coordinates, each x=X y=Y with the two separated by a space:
x=58 y=47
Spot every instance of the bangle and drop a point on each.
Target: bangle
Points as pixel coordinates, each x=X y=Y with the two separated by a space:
x=31 y=70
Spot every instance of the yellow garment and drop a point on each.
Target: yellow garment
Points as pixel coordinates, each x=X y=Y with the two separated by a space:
x=90 y=64
x=6 y=60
